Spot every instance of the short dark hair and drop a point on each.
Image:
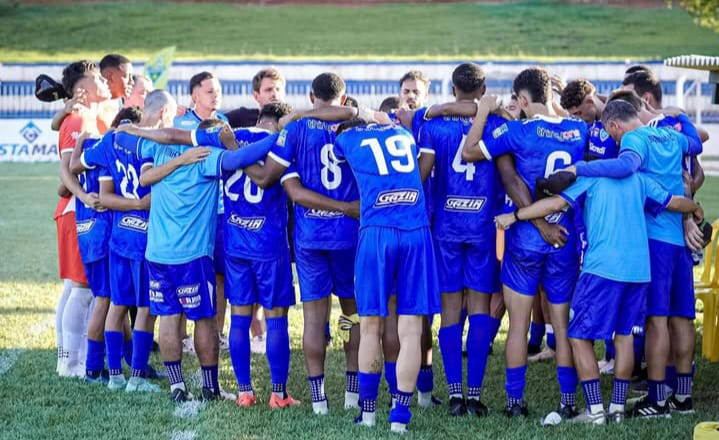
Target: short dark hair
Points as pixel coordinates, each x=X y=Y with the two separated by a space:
x=620 y=110
x=269 y=72
x=74 y=72
x=112 y=60
x=536 y=82
x=275 y=110
x=574 y=93
x=468 y=77
x=645 y=82
x=350 y=123
x=629 y=96
x=351 y=102
x=130 y=114
x=389 y=103
x=637 y=68
x=415 y=75
x=328 y=86
x=197 y=79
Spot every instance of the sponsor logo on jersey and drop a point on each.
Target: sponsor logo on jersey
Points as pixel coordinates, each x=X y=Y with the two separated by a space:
x=187 y=123
x=554 y=218
x=603 y=135
x=154 y=284
x=499 y=131
x=192 y=289
x=396 y=197
x=156 y=296
x=464 y=204
x=321 y=214
x=133 y=223
x=596 y=149
x=282 y=138
x=190 y=302
x=561 y=136
x=249 y=223
x=84 y=227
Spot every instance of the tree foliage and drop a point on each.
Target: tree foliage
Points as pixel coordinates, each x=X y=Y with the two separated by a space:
x=704 y=12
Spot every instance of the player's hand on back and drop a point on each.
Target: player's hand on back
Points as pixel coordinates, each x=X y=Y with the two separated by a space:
x=78 y=102
x=352 y=209
x=488 y=104
x=555 y=235
x=692 y=234
x=93 y=201
x=504 y=221
x=181 y=110
x=144 y=203
x=194 y=155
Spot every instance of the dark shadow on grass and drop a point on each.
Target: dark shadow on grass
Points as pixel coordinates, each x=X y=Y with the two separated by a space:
x=24 y=310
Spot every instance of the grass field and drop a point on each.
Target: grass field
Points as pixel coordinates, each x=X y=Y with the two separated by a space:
x=506 y=30
x=38 y=405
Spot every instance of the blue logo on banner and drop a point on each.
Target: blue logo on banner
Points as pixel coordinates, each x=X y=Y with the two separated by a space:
x=30 y=132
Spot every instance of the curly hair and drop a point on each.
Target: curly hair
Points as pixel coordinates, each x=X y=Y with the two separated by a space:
x=536 y=82
x=574 y=93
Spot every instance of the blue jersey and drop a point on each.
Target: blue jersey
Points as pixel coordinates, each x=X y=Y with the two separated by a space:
x=467 y=195
x=120 y=157
x=601 y=145
x=384 y=161
x=660 y=151
x=255 y=218
x=614 y=214
x=184 y=206
x=540 y=146
x=93 y=228
x=683 y=125
x=307 y=143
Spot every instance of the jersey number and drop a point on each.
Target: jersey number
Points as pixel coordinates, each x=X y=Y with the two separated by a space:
x=556 y=161
x=130 y=181
x=399 y=147
x=252 y=193
x=460 y=166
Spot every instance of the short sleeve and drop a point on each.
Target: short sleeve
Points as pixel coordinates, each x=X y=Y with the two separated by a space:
x=290 y=173
x=425 y=141
x=69 y=132
x=683 y=141
x=656 y=198
x=212 y=165
x=500 y=141
x=93 y=154
x=580 y=187
x=633 y=142
x=418 y=121
x=283 y=152
x=147 y=150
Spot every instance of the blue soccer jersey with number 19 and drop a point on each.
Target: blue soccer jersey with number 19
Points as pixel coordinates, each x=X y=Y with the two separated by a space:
x=540 y=146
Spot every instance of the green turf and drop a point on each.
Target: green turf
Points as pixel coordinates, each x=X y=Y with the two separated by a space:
x=37 y=405
x=536 y=30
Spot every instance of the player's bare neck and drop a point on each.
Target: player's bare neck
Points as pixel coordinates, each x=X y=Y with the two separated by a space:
x=536 y=108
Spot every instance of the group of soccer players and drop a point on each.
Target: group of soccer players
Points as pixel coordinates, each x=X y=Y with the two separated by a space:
x=171 y=212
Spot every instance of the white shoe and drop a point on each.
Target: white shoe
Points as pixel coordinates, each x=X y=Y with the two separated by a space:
x=117 y=382
x=544 y=355
x=258 y=345
x=366 y=419
x=141 y=384
x=188 y=345
x=588 y=418
x=320 y=408
x=398 y=428
x=227 y=395
x=606 y=367
x=67 y=370
x=351 y=400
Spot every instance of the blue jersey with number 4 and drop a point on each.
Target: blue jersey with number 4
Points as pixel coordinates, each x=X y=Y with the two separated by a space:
x=93 y=228
x=467 y=195
x=255 y=218
x=540 y=146
x=307 y=143
x=121 y=159
x=383 y=158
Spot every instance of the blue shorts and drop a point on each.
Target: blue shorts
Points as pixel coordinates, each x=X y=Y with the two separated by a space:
x=601 y=307
x=128 y=282
x=98 y=277
x=394 y=260
x=268 y=283
x=322 y=272
x=524 y=271
x=671 y=292
x=467 y=265
x=187 y=288
x=218 y=258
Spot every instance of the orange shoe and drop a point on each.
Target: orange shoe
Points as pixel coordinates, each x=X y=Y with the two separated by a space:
x=277 y=403
x=246 y=400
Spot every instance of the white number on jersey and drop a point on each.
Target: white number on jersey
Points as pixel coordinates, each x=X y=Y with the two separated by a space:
x=557 y=160
x=130 y=180
x=398 y=146
x=249 y=192
x=460 y=166
x=331 y=173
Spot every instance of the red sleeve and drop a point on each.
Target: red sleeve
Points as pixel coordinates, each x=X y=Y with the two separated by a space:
x=69 y=132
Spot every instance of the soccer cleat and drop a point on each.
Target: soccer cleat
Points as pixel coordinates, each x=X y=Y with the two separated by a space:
x=351 y=400
x=258 y=345
x=246 y=400
x=644 y=409
x=188 y=345
x=675 y=406
x=100 y=378
x=178 y=395
x=616 y=417
x=426 y=400
x=457 y=407
x=588 y=418
x=365 y=419
x=209 y=394
x=320 y=408
x=568 y=412
x=606 y=367
x=140 y=384
x=517 y=410
x=398 y=428
x=545 y=355
x=227 y=395
x=533 y=349
x=476 y=407
x=152 y=373
x=279 y=403
x=117 y=382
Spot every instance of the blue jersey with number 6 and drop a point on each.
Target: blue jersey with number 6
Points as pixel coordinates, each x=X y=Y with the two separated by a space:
x=383 y=158
x=307 y=143
x=540 y=146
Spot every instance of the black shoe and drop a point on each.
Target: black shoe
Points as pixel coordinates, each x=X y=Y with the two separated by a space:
x=179 y=395
x=644 y=409
x=568 y=412
x=517 y=410
x=209 y=395
x=476 y=407
x=153 y=374
x=675 y=406
x=533 y=349
x=457 y=407
x=155 y=347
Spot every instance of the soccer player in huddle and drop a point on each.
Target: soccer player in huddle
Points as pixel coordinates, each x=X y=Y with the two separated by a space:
x=611 y=293
x=580 y=99
x=540 y=145
x=468 y=195
x=325 y=241
x=394 y=255
x=268 y=86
